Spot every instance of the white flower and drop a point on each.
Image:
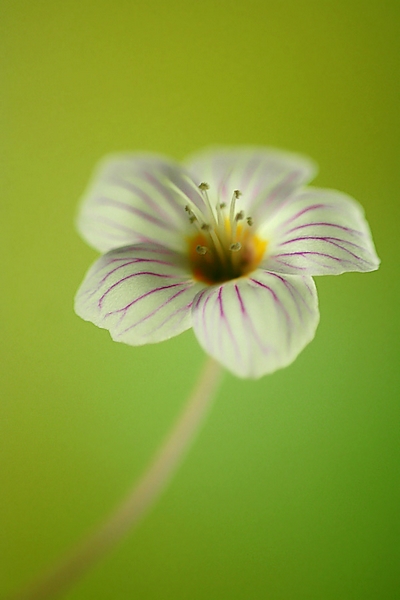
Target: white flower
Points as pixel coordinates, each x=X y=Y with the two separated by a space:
x=226 y=244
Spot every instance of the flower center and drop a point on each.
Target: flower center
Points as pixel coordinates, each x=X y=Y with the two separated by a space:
x=223 y=247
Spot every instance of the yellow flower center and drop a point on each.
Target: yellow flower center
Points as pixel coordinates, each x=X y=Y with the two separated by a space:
x=224 y=248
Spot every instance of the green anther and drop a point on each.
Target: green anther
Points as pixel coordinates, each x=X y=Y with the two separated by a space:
x=235 y=247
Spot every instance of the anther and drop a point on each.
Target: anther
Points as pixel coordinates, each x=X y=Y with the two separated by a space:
x=249 y=221
x=235 y=247
x=239 y=216
x=222 y=205
x=204 y=187
x=201 y=250
x=205 y=227
x=237 y=193
x=192 y=219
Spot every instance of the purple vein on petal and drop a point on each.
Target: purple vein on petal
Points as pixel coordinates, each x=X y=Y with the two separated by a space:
x=127 y=264
x=246 y=316
x=98 y=219
x=287 y=264
x=356 y=256
x=124 y=309
x=151 y=249
x=314 y=253
x=185 y=308
x=223 y=183
x=324 y=224
x=217 y=306
x=166 y=194
x=100 y=266
x=135 y=211
x=318 y=263
x=273 y=193
x=95 y=219
x=146 y=198
x=285 y=180
x=199 y=298
x=249 y=174
x=226 y=322
x=311 y=290
x=329 y=240
x=149 y=273
x=205 y=328
x=220 y=303
x=292 y=291
x=91 y=293
x=312 y=257
x=155 y=311
x=277 y=303
x=301 y=213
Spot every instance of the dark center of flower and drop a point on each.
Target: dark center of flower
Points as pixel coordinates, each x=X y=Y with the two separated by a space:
x=226 y=246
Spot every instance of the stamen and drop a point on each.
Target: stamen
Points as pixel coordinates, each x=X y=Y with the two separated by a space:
x=235 y=247
x=232 y=217
x=194 y=219
x=204 y=187
x=192 y=216
x=191 y=209
x=221 y=224
x=215 y=237
x=218 y=245
x=235 y=196
x=229 y=249
x=220 y=215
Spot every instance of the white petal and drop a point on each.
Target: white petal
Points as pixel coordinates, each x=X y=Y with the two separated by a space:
x=257 y=325
x=141 y=294
x=319 y=232
x=135 y=198
x=265 y=176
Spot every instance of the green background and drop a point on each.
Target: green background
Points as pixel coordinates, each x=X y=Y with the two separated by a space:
x=291 y=491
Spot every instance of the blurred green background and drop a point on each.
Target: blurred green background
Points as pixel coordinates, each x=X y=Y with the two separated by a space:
x=291 y=491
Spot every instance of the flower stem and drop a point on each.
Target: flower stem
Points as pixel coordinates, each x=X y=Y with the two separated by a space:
x=144 y=493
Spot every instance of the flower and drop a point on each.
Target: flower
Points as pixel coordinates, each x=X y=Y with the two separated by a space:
x=226 y=243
